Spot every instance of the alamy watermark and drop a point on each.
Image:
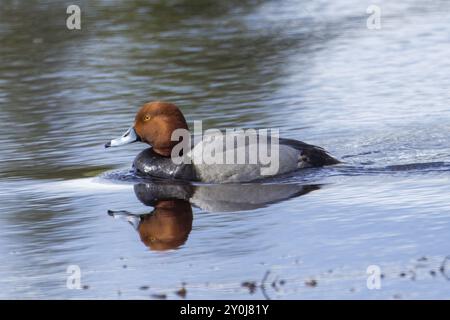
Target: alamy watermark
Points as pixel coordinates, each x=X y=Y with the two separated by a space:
x=73 y=21
x=74 y=278
x=259 y=148
x=374 y=279
x=374 y=20
x=234 y=146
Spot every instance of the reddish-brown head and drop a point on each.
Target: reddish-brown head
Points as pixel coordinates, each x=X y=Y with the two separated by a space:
x=156 y=121
x=154 y=124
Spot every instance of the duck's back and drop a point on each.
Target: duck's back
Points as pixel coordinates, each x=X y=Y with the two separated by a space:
x=214 y=161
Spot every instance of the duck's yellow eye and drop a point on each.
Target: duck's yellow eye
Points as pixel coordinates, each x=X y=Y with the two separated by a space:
x=147 y=117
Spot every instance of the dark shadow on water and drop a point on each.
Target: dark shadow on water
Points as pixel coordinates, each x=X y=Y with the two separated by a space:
x=169 y=224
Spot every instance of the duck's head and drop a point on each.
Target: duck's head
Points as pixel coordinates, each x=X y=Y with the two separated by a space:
x=154 y=124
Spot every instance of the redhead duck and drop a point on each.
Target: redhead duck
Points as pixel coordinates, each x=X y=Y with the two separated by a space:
x=156 y=123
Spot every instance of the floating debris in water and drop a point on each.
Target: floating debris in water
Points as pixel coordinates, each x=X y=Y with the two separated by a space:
x=422 y=259
x=250 y=285
x=144 y=287
x=311 y=283
x=276 y=283
x=159 y=296
x=85 y=287
x=182 y=292
x=442 y=269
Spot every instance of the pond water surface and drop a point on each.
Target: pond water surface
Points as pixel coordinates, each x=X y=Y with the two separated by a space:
x=376 y=99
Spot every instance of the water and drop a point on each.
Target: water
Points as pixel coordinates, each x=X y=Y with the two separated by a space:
x=377 y=99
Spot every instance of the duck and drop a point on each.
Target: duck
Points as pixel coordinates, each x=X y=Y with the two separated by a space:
x=160 y=123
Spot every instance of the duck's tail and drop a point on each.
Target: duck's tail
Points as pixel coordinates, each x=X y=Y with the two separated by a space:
x=310 y=155
x=317 y=157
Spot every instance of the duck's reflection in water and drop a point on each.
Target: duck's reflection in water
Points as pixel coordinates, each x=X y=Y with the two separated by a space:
x=169 y=224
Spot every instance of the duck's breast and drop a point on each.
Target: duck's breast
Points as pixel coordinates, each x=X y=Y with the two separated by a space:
x=150 y=163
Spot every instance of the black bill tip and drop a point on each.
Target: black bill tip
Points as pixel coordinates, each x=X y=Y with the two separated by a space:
x=108 y=144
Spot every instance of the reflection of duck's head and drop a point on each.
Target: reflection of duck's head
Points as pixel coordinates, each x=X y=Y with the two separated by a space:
x=168 y=226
